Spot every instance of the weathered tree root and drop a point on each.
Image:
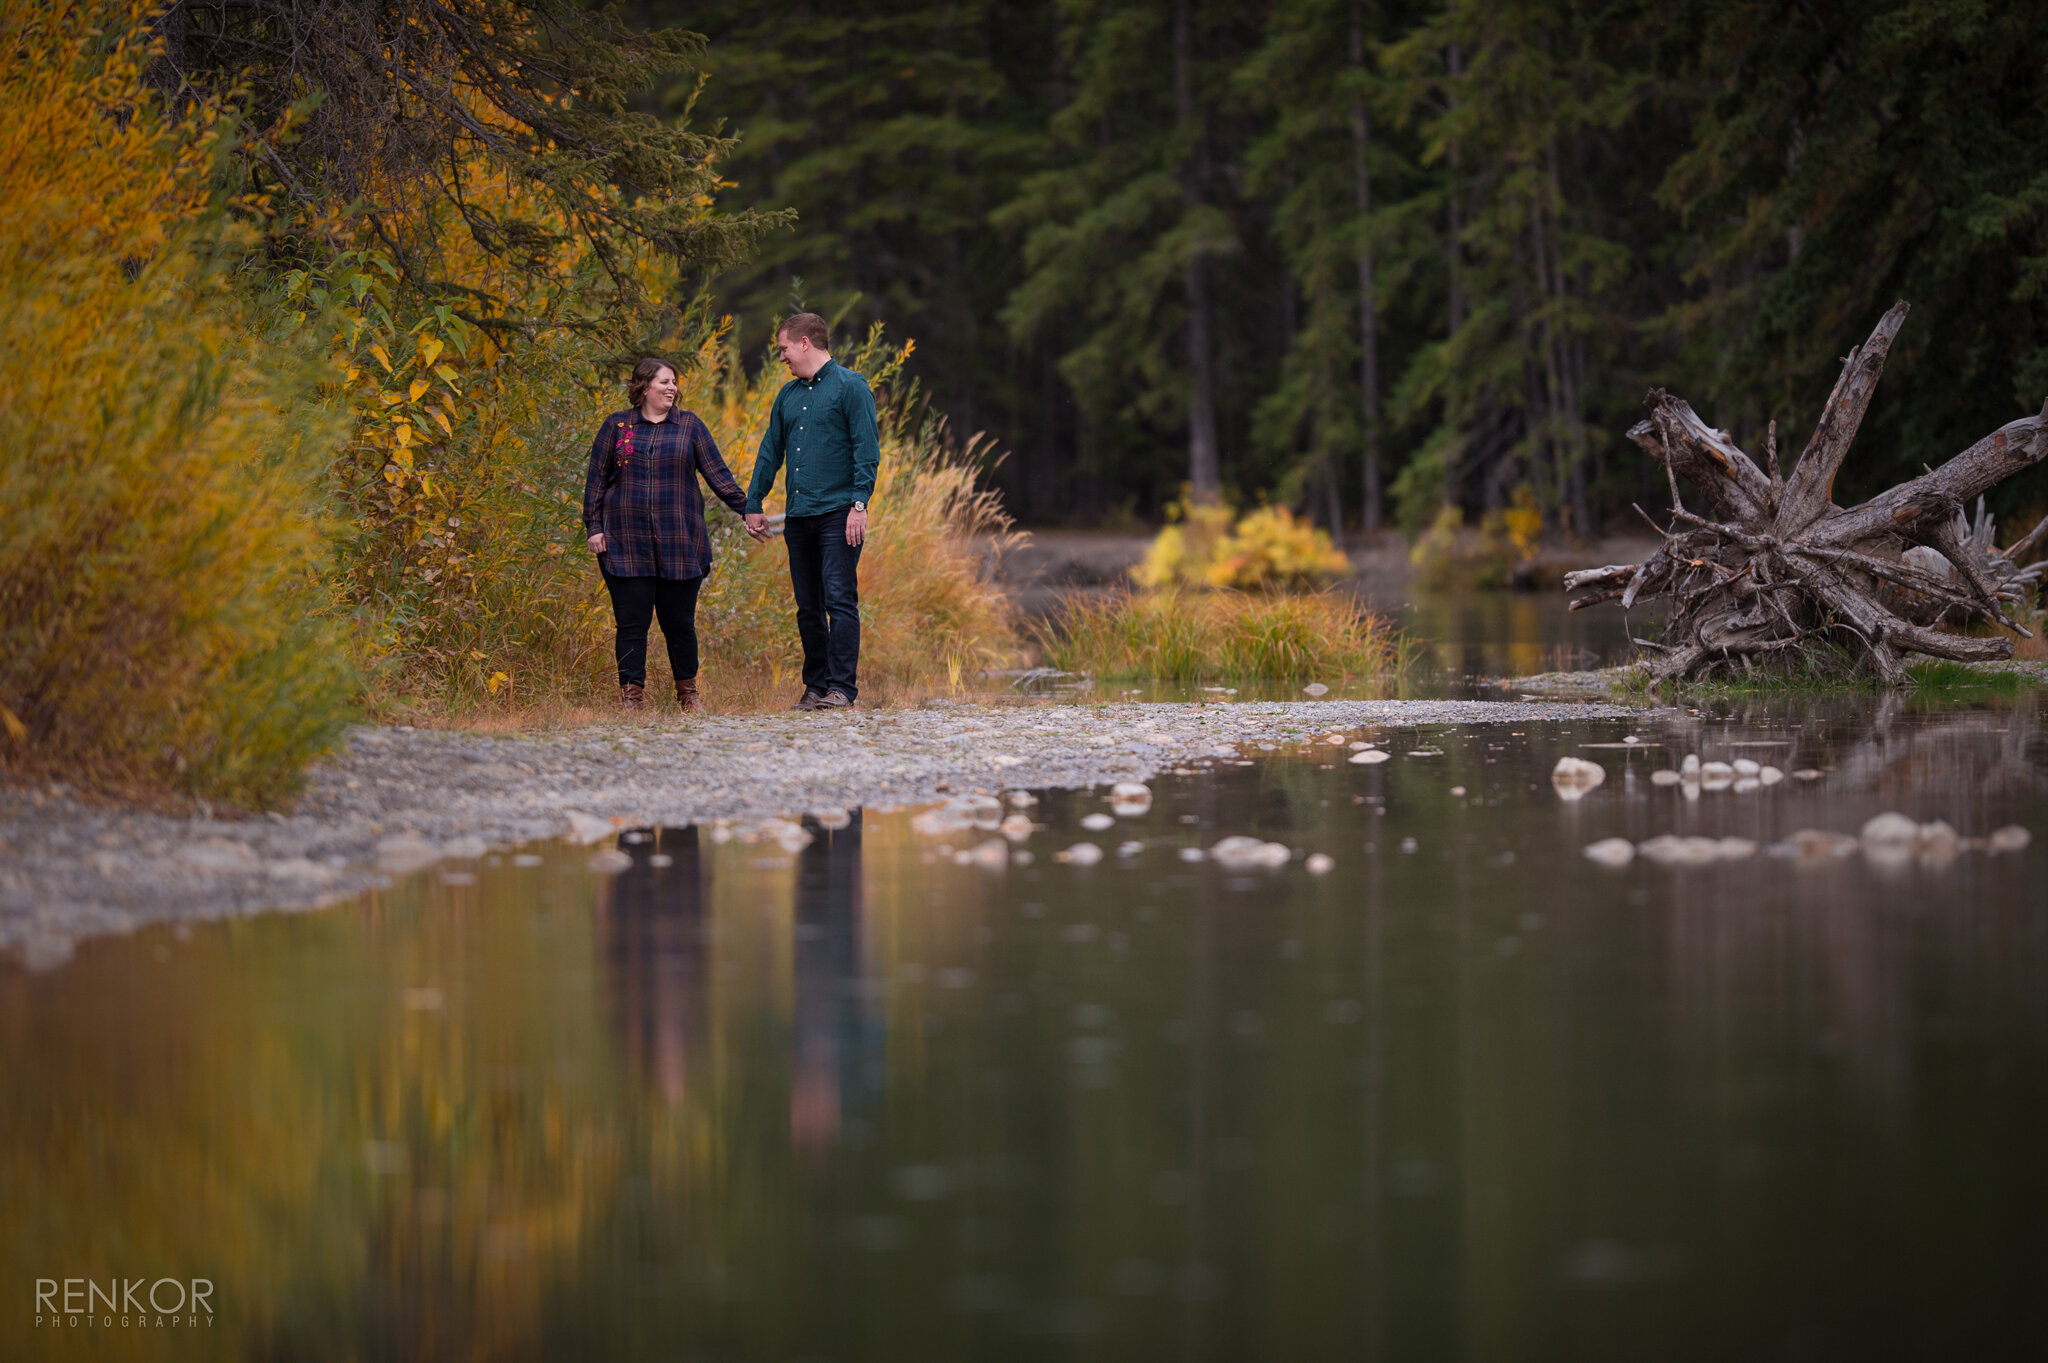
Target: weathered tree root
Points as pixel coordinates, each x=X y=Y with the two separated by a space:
x=1773 y=566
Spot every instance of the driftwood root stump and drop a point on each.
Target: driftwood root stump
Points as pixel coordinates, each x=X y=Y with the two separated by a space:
x=1769 y=565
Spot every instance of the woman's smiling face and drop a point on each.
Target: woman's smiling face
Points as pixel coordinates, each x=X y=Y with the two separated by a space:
x=661 y=392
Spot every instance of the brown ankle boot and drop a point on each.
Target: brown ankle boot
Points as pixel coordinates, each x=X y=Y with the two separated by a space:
x=633 y=695
x=686 y=694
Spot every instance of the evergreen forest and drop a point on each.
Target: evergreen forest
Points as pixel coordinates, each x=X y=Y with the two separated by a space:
x=1367 y=257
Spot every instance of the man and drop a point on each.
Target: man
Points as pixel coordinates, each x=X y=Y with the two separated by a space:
x=823 y=427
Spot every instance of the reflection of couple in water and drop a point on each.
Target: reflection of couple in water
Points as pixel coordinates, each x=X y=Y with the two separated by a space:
x=652 y=940
x=644 y=517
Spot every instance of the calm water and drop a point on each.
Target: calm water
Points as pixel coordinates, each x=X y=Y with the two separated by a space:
x=1467 y=1096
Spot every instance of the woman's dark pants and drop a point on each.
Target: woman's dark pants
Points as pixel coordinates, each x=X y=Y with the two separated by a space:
x=824 y=576
x=636 y=601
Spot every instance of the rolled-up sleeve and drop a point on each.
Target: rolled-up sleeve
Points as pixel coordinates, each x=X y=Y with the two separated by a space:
x=597 y=476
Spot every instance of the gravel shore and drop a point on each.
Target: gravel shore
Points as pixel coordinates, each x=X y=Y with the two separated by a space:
x=399 y=800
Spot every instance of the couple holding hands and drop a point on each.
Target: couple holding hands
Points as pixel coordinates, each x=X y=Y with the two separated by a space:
x=645 y=517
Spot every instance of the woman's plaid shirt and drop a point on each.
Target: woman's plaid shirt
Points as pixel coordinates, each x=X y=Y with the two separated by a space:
x=640 y=492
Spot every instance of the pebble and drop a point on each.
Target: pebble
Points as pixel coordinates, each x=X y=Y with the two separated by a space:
x=1096 y=823
x=1370 y=757
x=1315 y=689
x=1611 y=851
x=1574 y=776
x=1319 y=864
x=1244 y=853
x=1080 y=854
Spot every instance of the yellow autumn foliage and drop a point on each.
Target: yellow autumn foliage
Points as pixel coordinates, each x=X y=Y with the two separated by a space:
x=1268 y=549
x=158 y=560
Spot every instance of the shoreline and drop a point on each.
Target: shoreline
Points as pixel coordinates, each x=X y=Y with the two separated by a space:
x=395 y=801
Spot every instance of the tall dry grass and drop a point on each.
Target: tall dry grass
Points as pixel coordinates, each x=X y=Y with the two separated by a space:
x=1220 y=636
x=159 y=556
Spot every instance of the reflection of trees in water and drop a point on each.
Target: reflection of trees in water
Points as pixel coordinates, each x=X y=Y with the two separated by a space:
x=836 y=1068
x=1890 y=744
x=650 y=929
x=1849 y=962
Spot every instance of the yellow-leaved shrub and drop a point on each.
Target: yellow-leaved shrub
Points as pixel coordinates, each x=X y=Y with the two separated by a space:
x=1267 y=549
x=158 y=559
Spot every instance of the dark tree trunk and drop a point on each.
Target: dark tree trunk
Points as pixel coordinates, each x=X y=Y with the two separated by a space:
x=1371 y=506
x=1205 y=478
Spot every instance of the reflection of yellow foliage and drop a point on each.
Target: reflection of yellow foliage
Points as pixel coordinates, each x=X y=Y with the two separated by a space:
x=1447 y=555
x=1269 y=549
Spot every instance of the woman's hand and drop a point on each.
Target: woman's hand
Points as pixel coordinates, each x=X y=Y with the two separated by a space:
x=596 y=543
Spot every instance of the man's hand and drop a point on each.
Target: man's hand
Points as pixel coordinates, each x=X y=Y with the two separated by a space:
x=757 y=524
x=596 y=543
x=856 y=527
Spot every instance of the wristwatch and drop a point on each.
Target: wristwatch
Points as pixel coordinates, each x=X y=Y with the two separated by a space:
x=860 y=506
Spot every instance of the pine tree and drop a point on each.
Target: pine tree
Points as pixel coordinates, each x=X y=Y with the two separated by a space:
x=1849 y=155
x=1123 y=234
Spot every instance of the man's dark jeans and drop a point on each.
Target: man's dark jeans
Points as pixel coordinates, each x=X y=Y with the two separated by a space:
x=824 y=572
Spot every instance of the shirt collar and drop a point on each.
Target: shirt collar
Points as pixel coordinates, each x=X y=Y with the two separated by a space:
x=818 y=377
x=640 y=416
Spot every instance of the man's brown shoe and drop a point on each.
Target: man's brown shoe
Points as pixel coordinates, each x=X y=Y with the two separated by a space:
x=633 y=695
x=686 y=695
x=808 y=701
x=834 y=699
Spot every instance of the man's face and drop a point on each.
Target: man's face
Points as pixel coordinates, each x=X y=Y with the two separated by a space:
x=803 y=358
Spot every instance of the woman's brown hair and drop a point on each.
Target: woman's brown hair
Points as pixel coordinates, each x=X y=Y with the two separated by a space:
x=645 y=373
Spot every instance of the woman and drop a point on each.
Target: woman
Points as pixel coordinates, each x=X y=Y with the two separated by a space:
x=645 y=520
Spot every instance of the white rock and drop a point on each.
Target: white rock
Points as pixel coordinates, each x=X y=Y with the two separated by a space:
x=1193 y=854
x=1370 y=757
x=1806 y=774
x=609 y=861
x=1819 y=843
x=1130 y=790
x=992 y=854
x=2011 y=838
x=1716 y=776
x=1129 y=849
x=1574 y=776
x=224 y=856
x=1890 y=827
x=1668 y=850
x=1315 y=689
x=1665 y=776
x=1458 y=792
x=1360 y=745
x=1735 y=849
x=1022 y=799
x=465 y=849
x=1319 y=864
x=587 y=828
x=1937 y=844
x=1080 y=854
x=299 y=868
x=1017 y=827
x=1745 y=767
x=1242 y=853
x=1095 y=823
x=833 y=818
x=1691 y=765
x=1770 y=776
x=1747 y=785
x=403 y=853
x=1611 y=851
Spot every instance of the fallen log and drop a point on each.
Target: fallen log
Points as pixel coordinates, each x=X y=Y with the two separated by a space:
x=1766 y=564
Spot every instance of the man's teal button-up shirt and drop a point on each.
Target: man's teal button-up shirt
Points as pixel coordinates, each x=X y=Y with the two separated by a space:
x=823 y=427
